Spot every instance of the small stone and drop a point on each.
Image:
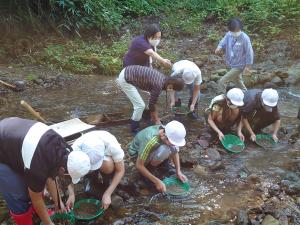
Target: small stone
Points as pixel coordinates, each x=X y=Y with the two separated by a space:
x=216 y=166
x=116 y=201
x=213 y=154
x=199 y=170
x=254 y=178
x=277 y=80
x=212 y=85
x=270 y=220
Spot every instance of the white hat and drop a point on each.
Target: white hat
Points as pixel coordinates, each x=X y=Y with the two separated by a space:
x=188 y=76
x=175 y=132
x=93 y=147
x=236 y=96
x=78 y=165
x=270 y=97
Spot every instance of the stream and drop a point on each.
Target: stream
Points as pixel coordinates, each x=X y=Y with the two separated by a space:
x=216 y=196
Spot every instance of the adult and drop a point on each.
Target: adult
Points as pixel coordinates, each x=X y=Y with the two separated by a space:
x=224 y=113
x=31 y=156
x=238 y=54
x=191 y=74
x=143 y=49
x=260 y=110
x=106 y=156
x=147 y=79
x=154 y=145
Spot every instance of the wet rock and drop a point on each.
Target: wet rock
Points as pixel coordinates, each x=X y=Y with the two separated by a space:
x=212 y=85
x=213 y=154
x=294 y=75
x=283 y=220
x=270 y=220
x=214 y=223
x=221 y=72
x=116 y=201
x=215 y=77
x=265 y=77
x=20 y=85
x=200 y=170
x=277 y=80
x=254 y=222
x=254 y=178
x=218 y=165
x=268 y=65
x=242 y=218
x=38 y=81
x=282 y=74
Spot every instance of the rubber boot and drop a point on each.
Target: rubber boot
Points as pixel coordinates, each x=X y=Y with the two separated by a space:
x=23 y=219
x=135 y=125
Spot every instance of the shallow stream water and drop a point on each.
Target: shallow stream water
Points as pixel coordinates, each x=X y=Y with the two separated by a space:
x=215 y=196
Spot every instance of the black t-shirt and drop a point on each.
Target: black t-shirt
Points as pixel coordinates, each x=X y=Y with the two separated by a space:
x=49 y=155
x=252 y=104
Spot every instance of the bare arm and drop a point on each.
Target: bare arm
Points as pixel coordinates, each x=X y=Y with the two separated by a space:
x=154 y=117
x=157 y=57
x=71 y=198
x=239 y=129
x=176 y=160
x=39 y=206
x=276 y=127
x=140 y=165
x=211 y=117
x=171 y=94
x=53 y=192
x=119 y=173
x=248 y=127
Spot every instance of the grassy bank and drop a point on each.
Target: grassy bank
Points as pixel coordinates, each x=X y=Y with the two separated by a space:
x=93 y=35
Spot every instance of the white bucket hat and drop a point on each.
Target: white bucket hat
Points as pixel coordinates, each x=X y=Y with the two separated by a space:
x=188 y=76
x=93 y=147
x=175 y=132
x=236 y=96
x=78 y=165
x=270 y=97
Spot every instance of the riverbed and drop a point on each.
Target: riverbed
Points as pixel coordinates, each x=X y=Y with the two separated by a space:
x=217 y=196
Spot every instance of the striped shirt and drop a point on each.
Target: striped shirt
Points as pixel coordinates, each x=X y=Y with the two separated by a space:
x=145 y=142
x=147 y=79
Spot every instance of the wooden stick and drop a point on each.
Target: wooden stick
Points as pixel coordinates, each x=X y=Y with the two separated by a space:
x=32 y=111
x=8 y=85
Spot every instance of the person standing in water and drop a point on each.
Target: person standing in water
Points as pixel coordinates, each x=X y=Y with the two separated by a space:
x=142 y=50
x=238 y=53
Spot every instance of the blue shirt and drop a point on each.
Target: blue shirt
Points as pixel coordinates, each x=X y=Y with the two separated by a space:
x=136 y=53
x=238 y=51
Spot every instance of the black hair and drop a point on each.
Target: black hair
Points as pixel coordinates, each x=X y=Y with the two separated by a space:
x=176 y=82
x=151 y=30
x=230 y=86
x=234 y=24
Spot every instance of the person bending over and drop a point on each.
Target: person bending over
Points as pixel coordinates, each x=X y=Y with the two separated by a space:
x=153 y=146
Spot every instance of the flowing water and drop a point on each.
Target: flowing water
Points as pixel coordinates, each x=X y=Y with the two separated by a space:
x=215 y=196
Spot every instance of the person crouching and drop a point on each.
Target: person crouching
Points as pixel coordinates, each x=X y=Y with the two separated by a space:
x=153 y=146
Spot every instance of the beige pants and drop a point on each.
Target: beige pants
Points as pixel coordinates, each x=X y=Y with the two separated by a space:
x=235 y=76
